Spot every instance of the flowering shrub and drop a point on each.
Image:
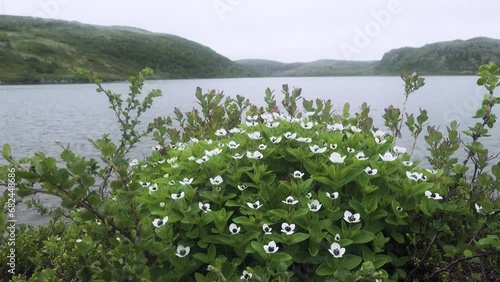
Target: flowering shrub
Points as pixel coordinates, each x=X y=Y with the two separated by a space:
x=278 y=197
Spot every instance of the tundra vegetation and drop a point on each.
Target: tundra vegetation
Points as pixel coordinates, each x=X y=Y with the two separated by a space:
x=286 y=192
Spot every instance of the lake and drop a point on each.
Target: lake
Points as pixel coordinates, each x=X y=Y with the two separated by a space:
x=33 y=117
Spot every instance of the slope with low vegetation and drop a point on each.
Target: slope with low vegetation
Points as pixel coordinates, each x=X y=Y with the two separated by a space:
x=40 y=50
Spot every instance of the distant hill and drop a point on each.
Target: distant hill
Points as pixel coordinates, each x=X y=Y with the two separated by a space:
x=316 y=68
x=459 y=57
x=452 y=57
x=36 y=50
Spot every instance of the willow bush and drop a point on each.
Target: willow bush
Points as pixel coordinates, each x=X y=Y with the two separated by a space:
x=287 y=194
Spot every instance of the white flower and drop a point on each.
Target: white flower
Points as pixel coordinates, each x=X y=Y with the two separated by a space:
x=352 y=218
x=333 y=195
x=272 y=124
x=78 y=240
x=216 y=180
x=414 y=175
x=236 y=130
x=432 y=171
x=234 y=229
x=194 y=140
x=304 y=139
x=182 y=251
x=370 y=171
x=399 y=209
x=407 y=163
x=309 y=113
x=144 y=166
x=171 y=183
x=254 y=206
x=361 y=156
x=157 y=222
x=255 y=117
x=314 y=206
x=338 y=126
x=172 y=160
x=134 y=162
x=478 y=208
x=157 y=148
x=262 y=147
x=246 y=275
x=309 y=195
x=191 y=158
x=267 y=117
x=242 y=187
x=399 y=150
x=233 y=145
x=178 y=196
x=153 y=188
x=203 y=159
x=166 y=175
x=350 y=150
x=387 y=157
x=266 y=229
x=379 y=134
x=337 y=237
x=290 y=201
x=333 y=146
x=298 y=174
x=213 y=152
x=255 y=155
x=275 y=140
x=181 y=146
x=316 y=149
x=434 y=196
x=144 y=184
x=289 y=135
x=237 y=156
x=186 y=181
x=337 y=158
x=204 y=207
x=255 y=135
x=288 y=229
x=162 y=204
x=271 y=248
x=252 y=123
x=336 y=250
x=308 y=125
x=221 y=132
x=380 y=141
x=355 y=129
x=161 y=162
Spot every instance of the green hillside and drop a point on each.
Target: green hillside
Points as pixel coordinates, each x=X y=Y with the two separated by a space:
x=457 y=57
x=452 y=57
x=38 y=50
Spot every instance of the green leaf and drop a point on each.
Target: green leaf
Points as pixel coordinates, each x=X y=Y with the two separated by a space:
x=350 y=261
x=299 y=237
x=325 y=270
x=6 y=151
x=398 y=237
x=362 y=237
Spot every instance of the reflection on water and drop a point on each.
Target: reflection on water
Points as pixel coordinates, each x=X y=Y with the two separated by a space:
x=33 y=117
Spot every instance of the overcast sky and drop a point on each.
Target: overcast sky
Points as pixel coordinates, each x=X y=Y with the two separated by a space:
x=285 y=30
